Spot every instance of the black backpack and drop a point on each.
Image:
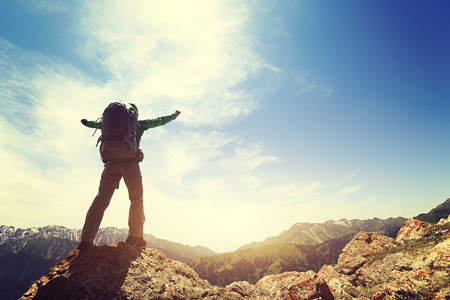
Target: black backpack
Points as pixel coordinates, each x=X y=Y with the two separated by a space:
x=118 y=139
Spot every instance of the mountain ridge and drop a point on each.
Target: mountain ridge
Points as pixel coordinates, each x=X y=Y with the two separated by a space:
x=253 y=264
x=437 y=213
x=18 y=237
x=316 y=233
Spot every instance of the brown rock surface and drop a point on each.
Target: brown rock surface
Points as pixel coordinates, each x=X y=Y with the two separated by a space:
x=295 y=285
x=363 y=246
x=413 y=229
x=122 y=271
x=119 y=271
x=417 y=266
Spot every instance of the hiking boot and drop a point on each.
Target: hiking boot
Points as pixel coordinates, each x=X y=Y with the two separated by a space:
x=137 y=241
x=85 y=246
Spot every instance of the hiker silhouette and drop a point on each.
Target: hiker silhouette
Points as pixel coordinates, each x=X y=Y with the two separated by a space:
x=120 y=152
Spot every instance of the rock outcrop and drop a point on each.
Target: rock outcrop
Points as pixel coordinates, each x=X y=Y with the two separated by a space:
x=363 y=246
x=122 y=271
x=413 y=230
x=414 y=266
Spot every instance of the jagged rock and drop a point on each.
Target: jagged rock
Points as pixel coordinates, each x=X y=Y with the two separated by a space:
x=120 y=271
x=356 y=253
x=413 y=229
x=338 y=283
x=123 y=271
x=417 y=268
x=243 y=288
x=295 y=285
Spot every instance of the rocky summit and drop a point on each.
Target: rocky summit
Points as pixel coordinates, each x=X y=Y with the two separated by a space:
x=416 y=265
x=122 y=271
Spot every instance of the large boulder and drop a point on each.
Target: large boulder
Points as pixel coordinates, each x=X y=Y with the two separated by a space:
x=119 y=271
x=412 y=230
x=363 y=246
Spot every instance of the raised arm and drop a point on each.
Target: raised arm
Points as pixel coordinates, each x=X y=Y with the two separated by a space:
x=150 y=123
x=91 y=124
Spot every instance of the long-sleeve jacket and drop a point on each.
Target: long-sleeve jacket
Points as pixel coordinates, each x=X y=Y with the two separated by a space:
x=142 y=125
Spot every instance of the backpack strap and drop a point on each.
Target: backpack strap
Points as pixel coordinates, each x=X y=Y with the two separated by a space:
x=99 y=120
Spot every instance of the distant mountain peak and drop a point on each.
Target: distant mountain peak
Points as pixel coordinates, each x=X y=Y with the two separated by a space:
x=437 y=213
x=317 y=233
x=105 y=236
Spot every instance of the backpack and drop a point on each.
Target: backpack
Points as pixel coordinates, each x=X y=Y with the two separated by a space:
x=118 y=139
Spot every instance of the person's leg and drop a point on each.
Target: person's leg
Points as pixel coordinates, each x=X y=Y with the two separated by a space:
x=108 y=183
x=133 y=179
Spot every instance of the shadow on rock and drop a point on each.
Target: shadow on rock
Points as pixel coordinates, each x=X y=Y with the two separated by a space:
x=99 y=272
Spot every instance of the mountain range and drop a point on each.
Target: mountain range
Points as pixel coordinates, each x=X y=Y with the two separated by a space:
x=25 y=254
x=33 y=241
x=302 y=247
x=317 y=233
x=253 y=264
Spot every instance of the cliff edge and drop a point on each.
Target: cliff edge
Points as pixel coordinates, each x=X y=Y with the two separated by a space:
x=122 y=271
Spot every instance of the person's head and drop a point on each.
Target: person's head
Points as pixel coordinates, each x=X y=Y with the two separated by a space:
x=135 y=108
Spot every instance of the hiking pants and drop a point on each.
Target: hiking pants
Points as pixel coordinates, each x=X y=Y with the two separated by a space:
x=110 y=179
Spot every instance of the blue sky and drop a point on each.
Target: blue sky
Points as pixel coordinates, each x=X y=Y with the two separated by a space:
x=292 y=111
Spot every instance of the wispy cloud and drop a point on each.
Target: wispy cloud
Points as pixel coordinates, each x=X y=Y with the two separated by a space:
x=353 y=173
x=45 y=6
x=307 y=85
x=347 y=191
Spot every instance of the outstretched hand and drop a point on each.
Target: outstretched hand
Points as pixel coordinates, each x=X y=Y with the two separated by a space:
x=178 y=112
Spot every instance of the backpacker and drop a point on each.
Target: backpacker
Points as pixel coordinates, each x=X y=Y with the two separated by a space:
x=118 y=139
